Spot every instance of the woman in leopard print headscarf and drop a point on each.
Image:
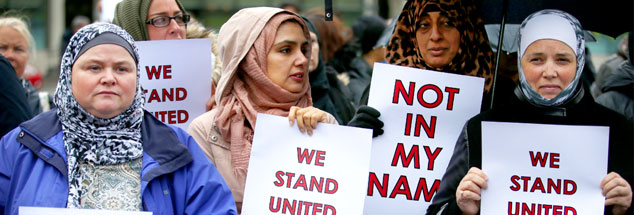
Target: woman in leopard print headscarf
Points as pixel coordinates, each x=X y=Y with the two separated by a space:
x=424 y=38
x=445 y=36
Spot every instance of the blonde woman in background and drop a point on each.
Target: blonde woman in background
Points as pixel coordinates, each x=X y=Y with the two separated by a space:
x=195 y=29
x=18 y=46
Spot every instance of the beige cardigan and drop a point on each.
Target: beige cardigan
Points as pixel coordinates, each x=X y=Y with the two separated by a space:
x=206 y=134
x=236 y=37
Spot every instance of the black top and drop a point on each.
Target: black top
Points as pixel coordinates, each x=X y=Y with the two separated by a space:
x=581 y=110
x=14 y=108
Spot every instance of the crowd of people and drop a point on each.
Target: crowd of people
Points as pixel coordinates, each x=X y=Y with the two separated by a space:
x=61 y=151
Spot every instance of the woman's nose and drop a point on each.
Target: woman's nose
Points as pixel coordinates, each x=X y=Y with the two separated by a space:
x=174 y=28
x=550 y=70
x=435 y=33
x=302 y=60
x=108 y=77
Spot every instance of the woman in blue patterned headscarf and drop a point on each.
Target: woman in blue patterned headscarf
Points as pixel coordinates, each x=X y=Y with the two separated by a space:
x=100 y=149
x=97 y=133
x=551 y=59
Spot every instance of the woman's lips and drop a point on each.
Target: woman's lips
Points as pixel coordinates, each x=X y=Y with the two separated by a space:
x=106 y=93
x=436 y=51
x=298 y=76
x=550 y=88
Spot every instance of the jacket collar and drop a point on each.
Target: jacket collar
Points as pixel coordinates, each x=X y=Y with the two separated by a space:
x=44 y=125
x=38 y=130
x=160 y=142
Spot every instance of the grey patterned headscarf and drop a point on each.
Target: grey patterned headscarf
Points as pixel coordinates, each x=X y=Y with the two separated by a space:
x=557 y=25
x=88 y=138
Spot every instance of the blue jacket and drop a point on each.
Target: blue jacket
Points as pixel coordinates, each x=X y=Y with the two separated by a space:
x=176 y=176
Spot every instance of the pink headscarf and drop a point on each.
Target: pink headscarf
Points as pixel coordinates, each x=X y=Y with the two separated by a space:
x=249 y=90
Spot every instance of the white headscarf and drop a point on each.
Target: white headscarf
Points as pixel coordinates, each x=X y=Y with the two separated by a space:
x=556 y=25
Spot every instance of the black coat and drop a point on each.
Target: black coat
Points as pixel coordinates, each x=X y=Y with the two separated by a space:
x=581 y=110
x=618 y=90
x=14 y=108
x=330 y=95
x=360 y=77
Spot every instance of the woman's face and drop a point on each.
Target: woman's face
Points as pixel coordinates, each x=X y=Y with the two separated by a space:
x=549 y=66
x=314 y=52
x=104 y=80
x=287 y=60
x=170 y=32
x=14 y=47
x=438 y=39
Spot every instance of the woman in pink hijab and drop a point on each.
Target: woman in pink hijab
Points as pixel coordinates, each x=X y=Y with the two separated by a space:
x=265 y=54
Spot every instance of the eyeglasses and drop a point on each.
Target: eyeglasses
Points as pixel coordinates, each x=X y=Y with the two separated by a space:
x=162 y=21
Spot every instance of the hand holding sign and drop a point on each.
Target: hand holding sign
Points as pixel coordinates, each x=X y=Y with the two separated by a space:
x=469 y=189
x=368 y=117
x=307 y=118
x=617 y=192
x=324 y=174
x=423 y=112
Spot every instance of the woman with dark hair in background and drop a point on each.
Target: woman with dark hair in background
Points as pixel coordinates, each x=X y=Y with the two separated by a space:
x=367 y=31
x=325 y=87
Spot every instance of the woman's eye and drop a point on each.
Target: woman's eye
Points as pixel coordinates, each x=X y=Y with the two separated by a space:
x=159 y=20
x=305 y=51
x=564 y=60
x=94 y=68
x=285 y=50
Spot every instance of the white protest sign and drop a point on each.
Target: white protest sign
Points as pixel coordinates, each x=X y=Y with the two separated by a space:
x=67 y=211
x=424 y=112
x=543 y=169
x=293 y=173
x=176 y=75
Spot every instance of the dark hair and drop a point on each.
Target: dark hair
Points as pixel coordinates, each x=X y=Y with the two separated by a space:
x=367 y=30
x=331 y=34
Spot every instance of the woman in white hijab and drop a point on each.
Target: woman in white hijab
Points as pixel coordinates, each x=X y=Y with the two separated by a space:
x=551 y=59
